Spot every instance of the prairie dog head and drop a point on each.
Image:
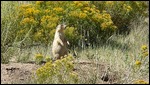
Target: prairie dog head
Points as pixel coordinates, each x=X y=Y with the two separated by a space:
x=61 y=27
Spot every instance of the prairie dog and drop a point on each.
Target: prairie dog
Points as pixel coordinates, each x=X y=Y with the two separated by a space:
x=59 y=46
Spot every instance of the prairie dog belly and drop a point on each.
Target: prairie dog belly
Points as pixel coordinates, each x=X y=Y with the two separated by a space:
x=58 y=50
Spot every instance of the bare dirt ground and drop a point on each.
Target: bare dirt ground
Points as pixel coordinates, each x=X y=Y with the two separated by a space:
x=101 y=72
x=22 y=72
x=16 y=72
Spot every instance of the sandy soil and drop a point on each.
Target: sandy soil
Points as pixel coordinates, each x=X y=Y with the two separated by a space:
x=22 y=72
x=16 y=72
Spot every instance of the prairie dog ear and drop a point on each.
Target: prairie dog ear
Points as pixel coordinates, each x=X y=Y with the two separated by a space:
x=63 y=26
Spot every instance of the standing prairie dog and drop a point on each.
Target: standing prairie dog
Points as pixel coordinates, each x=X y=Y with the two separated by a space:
x=59 y=46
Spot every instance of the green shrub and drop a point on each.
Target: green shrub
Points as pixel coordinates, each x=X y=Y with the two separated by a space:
x=124 y=12
x=8 y=29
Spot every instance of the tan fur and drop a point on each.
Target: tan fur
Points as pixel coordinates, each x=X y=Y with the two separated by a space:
x=59 y=46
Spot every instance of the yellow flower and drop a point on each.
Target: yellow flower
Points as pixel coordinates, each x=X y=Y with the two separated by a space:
x=39 y=2
x=47 y=11
x=39 y=55
x=87 y=8
x=138 y=63
x=69 y=57
x=109 y=3
x=82 y=15
x=29 y=11
x=74 y=14
x=52 y=70
x=97 y=11
x=57 y=62
x=48 y=21
x=25 y=6
x=104 y=11
x=36 y=11
x=25 y=20
x=86 y=3
x=137 y=3
x=107 y=16
x=75 y=2
x=85 y=11
x=74 y=76
x=38 y=58
x=97 y=17
x=79 y=5
x=140 y=82
x=21 y=31
x=28 y=21
x=114 y=27
x=143 y=47
x=109 y=23
x=92 y=10
x=129 y=7
x=45 y=18
x=124 y=5
x=38 y=34
x=58 y=9
x=145 y=54
x=93 y=6
x=104 y=26
x=48 y=64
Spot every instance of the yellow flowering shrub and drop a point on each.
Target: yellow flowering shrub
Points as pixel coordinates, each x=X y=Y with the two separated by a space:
x=143 y=47
x=28 y=20
x=59 y=71
x=39 y=2
x=47 y=58
x=102 y=17
x=47 y=22
x=138 y=63
x=144 y=50
x=38 y=58
x=145 y=54
x=110 y=3
x=140 y=60
x=140 y=82
x=58 y=9
x=45 y=15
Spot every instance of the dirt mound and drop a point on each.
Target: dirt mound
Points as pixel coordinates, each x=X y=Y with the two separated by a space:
x=89 y=72
x=16 y=72
x=98 y=73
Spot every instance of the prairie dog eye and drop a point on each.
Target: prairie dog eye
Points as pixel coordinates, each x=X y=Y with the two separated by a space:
x=62 y=26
